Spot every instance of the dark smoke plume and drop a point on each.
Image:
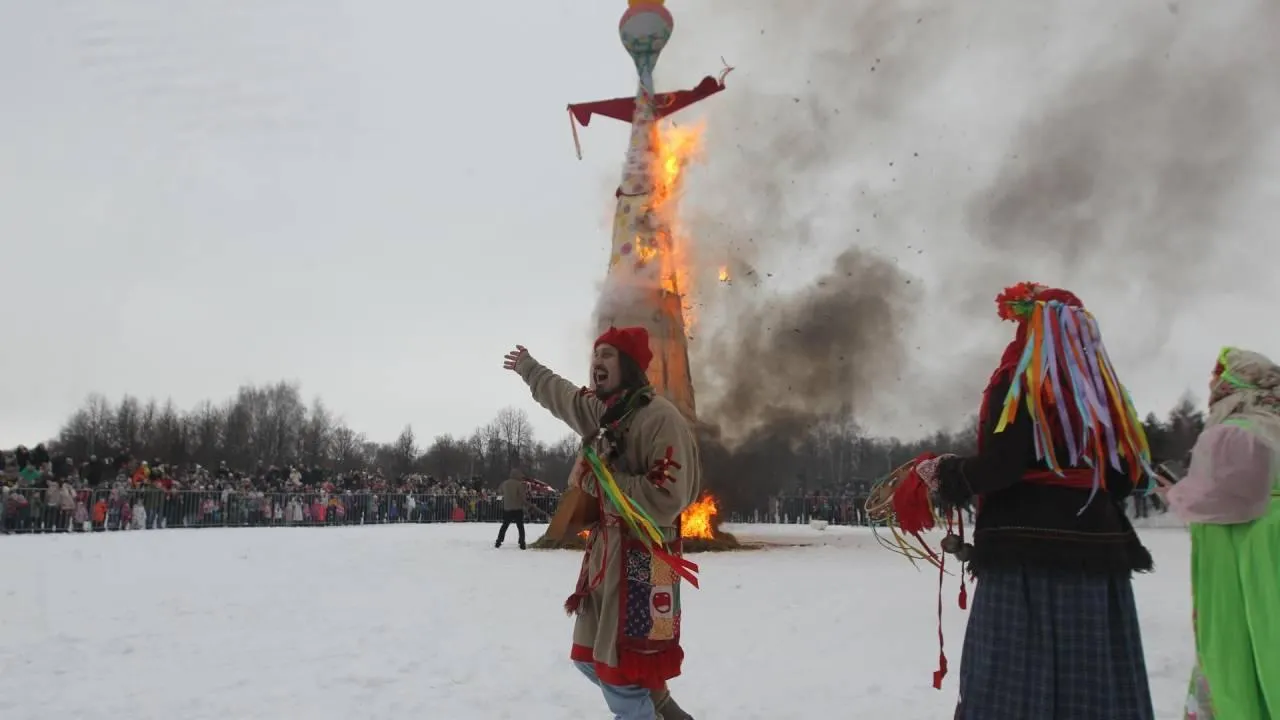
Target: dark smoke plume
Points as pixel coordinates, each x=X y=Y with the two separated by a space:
x=1117 y=162
x=1128 y=178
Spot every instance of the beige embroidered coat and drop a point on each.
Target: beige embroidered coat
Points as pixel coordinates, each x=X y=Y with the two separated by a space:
x=649 y=434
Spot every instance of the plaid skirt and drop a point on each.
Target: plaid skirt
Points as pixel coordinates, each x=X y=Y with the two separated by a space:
x=1053 y=645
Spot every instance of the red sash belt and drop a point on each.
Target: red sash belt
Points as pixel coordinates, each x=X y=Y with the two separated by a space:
x=1077 y=478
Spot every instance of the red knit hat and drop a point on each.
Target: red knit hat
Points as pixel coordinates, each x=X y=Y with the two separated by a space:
x=630 y=341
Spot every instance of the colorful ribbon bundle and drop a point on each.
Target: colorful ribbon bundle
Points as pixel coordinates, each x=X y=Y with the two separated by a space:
x=902 y=504
x=642 y=526
x=1065 y=369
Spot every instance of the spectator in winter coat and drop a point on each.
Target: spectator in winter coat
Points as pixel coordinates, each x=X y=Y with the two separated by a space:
x=139 y=516
x=53 y=518
x=515 y=496
x=93 y=472
x=40 y=455
x=31 y=475
x=100 y=514
x=68 y=499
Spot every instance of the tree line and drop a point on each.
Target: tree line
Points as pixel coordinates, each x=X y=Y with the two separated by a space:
x=273 y=425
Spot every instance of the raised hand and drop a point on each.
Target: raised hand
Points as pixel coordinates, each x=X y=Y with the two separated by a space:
x=511 y=359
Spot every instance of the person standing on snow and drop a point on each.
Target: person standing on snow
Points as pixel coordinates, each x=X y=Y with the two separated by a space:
x=515 y=496
x=1053 y=633
x=1231 y=498
x=640 y=463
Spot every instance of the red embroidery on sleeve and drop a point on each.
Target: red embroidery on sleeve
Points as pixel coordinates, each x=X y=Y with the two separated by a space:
x=659 y=475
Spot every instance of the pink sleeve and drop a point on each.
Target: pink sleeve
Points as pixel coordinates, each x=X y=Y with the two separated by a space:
x=1229 y=480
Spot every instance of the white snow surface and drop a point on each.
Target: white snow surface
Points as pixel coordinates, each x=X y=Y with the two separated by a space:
x=431 y=621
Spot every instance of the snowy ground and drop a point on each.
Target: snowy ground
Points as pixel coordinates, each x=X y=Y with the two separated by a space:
x=430 y=621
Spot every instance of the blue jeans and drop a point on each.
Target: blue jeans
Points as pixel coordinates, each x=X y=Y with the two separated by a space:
x=626 y=702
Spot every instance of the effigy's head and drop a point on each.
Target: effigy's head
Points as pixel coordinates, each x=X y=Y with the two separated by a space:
x=645 y=28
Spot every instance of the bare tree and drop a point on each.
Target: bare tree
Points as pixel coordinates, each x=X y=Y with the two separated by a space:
x=205 y=427
x=404 y=452
x=447 y=457
x=237 y=435
x=317 y=435
x=346 y=448
x=515 y=432
x=100 y=426
x=170 y=437
x=129 y=424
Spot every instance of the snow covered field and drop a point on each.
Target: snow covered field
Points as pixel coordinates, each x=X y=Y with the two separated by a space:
x=430 y=621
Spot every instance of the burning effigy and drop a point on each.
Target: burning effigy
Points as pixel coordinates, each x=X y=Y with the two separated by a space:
x=649 y=279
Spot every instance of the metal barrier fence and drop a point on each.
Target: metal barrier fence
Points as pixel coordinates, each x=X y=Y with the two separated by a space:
x=152 y=509
x=852 y=511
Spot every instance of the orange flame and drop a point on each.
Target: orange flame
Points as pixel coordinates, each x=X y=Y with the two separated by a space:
x=698 y=520
x=724 y=274
x=676 y=147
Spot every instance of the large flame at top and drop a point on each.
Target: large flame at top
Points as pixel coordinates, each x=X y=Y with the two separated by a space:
x=675 y=148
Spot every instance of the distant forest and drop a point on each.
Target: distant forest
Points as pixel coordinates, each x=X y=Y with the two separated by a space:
x=273 y=425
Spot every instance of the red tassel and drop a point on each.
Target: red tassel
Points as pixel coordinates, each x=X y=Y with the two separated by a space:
x=911 y=502
x=964 y=586
x=942 y=654
x=572 y=604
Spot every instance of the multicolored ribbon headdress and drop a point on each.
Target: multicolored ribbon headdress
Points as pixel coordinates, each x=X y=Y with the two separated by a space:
x=1060 y=370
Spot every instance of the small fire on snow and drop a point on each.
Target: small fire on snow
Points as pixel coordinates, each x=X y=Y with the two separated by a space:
x=697 y=521
x=724 y=274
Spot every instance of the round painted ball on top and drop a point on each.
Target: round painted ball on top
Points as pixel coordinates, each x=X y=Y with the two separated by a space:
x=645 y=28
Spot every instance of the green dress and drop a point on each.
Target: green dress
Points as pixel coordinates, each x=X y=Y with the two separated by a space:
x=1235 y=580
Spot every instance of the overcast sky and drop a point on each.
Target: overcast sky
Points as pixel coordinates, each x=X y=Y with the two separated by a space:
x=378 y=198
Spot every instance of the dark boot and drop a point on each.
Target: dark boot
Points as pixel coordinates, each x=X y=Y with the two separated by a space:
x=667 y=707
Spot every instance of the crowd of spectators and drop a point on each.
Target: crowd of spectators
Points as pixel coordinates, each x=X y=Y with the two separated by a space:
x=56 y=493
x=44 y=493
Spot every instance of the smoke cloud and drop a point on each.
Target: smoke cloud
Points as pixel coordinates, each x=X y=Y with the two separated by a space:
x=862 y=147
